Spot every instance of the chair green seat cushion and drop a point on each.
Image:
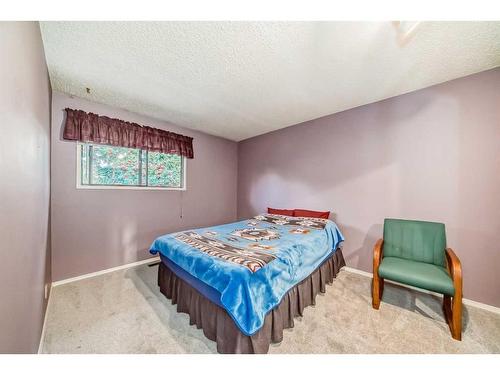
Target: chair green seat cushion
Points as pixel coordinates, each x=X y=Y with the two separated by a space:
x=421 y=275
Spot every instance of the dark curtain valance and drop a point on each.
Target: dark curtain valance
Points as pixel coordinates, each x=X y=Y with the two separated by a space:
x=89 y=127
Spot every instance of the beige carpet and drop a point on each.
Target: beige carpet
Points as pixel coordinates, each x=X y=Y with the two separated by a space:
x=124 y=312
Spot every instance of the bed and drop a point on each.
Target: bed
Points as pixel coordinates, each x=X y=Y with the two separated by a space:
x=244 y=282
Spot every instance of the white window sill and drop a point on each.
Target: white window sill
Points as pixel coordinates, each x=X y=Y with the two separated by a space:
x=107 y=187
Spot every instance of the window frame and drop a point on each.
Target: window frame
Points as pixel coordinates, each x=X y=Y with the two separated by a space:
x=79 y=185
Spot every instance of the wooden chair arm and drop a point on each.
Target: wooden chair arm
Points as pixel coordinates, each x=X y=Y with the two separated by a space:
x=453 y=313
x=378 y=250
x=454 y=268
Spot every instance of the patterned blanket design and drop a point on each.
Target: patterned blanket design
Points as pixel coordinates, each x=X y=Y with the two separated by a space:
x=256 y=254
x=308 y=222
x=253 y=259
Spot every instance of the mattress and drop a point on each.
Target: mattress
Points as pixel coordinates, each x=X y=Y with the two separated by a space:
x=205 y=290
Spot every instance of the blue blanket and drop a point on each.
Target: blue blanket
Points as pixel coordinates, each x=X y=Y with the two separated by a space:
x=252 y=263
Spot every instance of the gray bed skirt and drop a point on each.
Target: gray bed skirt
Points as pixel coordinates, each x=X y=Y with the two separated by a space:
x=218 y=326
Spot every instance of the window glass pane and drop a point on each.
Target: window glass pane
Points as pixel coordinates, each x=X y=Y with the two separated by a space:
x=144 y=169
x=118 y=166
x=84 y=166
x=114 y=165
x=164 y=170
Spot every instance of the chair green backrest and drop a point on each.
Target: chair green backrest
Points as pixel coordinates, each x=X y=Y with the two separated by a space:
x=421 y=241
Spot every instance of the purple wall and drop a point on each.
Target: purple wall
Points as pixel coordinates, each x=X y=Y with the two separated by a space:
x=24 y=186
x=98 y=229
x=433 y=154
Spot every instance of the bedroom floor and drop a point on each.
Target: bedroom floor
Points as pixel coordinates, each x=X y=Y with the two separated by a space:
x=124 y=312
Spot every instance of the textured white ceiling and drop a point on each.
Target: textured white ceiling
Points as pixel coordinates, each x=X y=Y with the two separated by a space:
x=241 y=79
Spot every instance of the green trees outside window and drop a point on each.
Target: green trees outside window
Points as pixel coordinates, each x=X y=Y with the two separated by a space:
x=120 y=166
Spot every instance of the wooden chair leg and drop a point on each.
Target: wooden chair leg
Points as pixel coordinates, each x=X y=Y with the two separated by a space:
x=456 y=317
x=447 y=309
x=377 y=290
x=381 y=288
x=377 y=282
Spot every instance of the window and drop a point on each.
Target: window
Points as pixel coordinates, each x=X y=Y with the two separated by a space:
x=120 y=167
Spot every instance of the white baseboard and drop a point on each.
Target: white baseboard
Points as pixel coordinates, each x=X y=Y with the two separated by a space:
x=93 y=274
x=42 y=335
x=465 y=301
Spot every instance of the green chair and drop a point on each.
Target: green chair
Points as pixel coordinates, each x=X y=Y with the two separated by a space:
x=415 y=253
